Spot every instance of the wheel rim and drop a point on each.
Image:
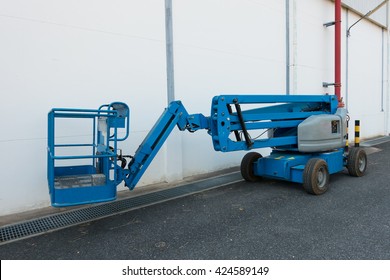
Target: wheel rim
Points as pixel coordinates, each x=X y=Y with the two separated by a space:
x=362 y=163
x=321 y=178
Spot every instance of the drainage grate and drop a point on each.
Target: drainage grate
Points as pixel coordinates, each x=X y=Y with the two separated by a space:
x=61 y=220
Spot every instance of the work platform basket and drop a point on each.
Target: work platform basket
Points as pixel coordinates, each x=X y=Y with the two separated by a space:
x=82 y=173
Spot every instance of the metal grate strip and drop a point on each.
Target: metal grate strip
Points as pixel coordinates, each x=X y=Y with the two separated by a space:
x=58 y=221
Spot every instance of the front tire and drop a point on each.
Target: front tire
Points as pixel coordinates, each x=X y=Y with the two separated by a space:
x=247 y=162
x=357 y=162
x=316 y=176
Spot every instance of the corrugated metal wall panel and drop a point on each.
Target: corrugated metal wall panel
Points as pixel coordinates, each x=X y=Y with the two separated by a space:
x=364 y=6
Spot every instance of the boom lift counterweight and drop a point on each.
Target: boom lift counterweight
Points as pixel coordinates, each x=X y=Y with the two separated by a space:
x=307 y=135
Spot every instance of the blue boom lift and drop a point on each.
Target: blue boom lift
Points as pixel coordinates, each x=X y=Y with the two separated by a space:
x=307 y=135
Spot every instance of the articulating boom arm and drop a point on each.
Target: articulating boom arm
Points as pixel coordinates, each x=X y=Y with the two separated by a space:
x=280 y=121
x=174 y=115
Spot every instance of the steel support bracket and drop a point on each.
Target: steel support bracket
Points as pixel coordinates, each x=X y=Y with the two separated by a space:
x=328 y=24
x=325 y=84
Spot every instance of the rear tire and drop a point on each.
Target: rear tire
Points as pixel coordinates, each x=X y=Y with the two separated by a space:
x=247 y=171
x=357 y=162
x=316 y=176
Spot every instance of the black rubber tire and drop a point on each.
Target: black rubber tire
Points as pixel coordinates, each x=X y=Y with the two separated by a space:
x=357 y=162
x=247 y=167
x=316 y=176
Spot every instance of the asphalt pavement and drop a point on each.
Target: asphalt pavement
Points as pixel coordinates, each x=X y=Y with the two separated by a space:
x=266 y=220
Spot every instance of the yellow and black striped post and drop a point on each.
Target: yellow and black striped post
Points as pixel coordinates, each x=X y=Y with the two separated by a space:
x=357 y=133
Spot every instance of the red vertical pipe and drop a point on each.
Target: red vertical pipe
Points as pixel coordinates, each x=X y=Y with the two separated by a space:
x=337 y=71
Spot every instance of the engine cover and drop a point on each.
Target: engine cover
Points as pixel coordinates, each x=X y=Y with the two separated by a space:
x=320 y=133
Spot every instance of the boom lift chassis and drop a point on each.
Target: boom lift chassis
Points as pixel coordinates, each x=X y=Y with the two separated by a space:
x=306 y=133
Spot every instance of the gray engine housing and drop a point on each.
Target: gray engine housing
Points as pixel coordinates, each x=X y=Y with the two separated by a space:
x=320 y=133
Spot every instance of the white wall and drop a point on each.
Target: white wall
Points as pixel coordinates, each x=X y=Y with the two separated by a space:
x=73 y=54
x=312 y=46
x=85 y=53
x=365 y=78
x=224 y=47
